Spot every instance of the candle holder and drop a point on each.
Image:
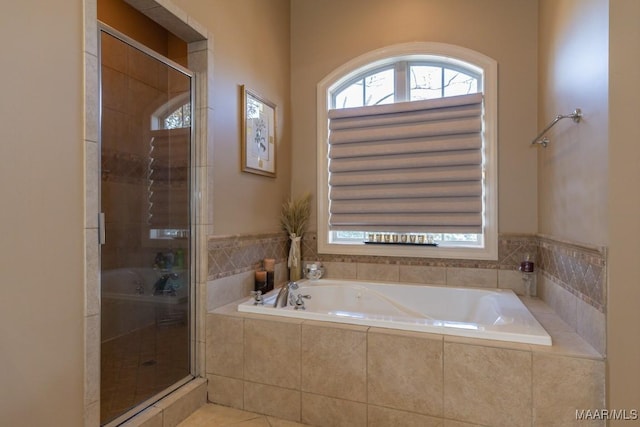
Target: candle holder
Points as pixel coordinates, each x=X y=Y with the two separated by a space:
x=261 y=281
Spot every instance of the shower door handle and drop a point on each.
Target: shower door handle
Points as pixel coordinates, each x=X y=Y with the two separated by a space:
x=102 y=235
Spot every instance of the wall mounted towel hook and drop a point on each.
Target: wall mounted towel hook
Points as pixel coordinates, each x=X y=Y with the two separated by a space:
x=543 y=140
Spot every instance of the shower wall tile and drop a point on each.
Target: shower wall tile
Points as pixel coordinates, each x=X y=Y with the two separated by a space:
x=91 y=100
x=92 y=414
x=92 y=359
x=202 y=210
x=92 y=187
x=92 y=272
x=91 y=36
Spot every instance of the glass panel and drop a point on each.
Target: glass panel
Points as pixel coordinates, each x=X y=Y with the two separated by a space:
x=180 y=118
x=378 y=88
x=145 y=187
x=426 y=82
x=351 y=96
x=457 y=83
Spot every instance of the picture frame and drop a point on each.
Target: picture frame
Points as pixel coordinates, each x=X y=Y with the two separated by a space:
x=258 y=142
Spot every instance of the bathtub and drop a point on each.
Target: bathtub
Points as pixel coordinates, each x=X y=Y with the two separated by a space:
x=129 y=301
x=496 y=314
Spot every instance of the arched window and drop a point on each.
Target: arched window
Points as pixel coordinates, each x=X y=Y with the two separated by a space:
x=173 y=114
x=407 y=154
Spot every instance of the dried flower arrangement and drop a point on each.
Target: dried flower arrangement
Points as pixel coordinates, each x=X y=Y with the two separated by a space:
x=295 y=214
x=293 y=219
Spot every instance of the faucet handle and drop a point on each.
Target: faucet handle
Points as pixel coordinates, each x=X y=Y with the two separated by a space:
x=257 y=297
x=299 y=303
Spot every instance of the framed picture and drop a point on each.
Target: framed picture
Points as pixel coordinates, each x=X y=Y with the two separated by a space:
x=258 y=134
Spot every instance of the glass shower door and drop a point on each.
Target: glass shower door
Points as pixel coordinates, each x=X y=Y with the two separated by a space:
x=146 y=254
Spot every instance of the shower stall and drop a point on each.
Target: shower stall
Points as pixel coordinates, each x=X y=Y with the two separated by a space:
x=147 y=248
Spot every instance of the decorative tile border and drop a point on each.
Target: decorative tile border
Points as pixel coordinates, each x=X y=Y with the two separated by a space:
x=235 y=254
x=579 y=269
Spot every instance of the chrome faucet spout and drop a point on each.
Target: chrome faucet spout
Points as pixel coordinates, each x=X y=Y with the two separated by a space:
x=283 y=295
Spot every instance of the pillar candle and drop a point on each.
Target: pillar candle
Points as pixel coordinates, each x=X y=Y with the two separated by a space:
x=261 y=276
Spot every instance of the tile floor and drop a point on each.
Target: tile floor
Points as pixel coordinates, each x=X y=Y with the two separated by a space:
x=211 y=415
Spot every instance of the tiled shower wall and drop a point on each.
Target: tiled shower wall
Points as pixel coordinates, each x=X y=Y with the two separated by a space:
x=571 y=278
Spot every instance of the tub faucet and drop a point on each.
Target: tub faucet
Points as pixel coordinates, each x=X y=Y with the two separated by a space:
x=299 y=303
x=284 y=293
x=137 y=282
x=160 y=287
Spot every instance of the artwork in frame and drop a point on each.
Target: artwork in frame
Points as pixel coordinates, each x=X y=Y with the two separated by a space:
x=258 y=134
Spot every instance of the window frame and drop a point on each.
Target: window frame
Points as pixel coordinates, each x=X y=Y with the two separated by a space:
x=444 y=54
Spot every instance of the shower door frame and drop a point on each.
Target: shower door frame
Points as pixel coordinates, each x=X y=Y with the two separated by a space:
x=193 y=190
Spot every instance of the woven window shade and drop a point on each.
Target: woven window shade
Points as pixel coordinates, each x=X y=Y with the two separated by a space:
x=168 y=178
x=410 y=166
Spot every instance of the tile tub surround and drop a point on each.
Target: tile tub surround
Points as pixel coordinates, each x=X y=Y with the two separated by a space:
x=571 y=277
x=323 y=373
x=235 y=256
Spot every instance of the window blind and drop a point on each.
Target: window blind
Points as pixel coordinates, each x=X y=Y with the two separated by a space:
x=407 y=167
x=168 y=178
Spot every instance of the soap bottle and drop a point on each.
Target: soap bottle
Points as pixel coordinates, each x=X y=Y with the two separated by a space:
x=179 y=258
x=528 y=279
x=169 y=259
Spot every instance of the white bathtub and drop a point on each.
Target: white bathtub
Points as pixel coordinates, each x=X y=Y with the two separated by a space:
x=129 y=301
x=496 y=314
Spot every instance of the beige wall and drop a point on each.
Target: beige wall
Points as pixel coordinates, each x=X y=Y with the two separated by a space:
x=251 y=47
x=326 y=34
x=41 y=249
x=624 y=207
x=572 y=172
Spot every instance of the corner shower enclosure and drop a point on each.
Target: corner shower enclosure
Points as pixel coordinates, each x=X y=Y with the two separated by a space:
x=146 y=252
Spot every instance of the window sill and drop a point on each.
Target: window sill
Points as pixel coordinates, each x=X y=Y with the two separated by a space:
x=488 y=252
